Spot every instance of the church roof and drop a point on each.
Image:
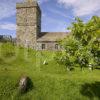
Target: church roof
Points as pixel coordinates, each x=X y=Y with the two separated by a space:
x=51 y=36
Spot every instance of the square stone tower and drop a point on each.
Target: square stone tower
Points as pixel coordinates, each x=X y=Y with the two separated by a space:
x=28 y=23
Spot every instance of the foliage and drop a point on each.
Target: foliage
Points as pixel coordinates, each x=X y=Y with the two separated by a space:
x=82 y=46
x=51 y=82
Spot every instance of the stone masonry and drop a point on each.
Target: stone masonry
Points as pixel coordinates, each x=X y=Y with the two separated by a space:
x=29 y=28
x=28 y=23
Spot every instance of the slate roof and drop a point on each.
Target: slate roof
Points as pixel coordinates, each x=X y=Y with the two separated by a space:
x=51 y=36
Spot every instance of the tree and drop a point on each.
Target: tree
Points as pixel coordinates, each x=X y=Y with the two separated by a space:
x=82 y=46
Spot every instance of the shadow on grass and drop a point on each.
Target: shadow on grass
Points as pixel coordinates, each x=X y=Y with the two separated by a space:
x=91 y=90
x=30 y=85
x=97 y=68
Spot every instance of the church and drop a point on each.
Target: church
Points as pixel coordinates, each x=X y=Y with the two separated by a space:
x=28 y=18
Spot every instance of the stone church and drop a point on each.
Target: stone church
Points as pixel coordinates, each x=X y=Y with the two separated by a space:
x=29 y=28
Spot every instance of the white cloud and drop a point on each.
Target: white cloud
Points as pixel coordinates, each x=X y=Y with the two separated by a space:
x=8 y=8
x=42 y=1
x=82 y=7
x=60 y=13
x=8 y=26
x=70 y=2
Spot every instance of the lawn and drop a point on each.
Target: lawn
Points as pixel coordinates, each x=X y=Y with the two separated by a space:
x=49 y=82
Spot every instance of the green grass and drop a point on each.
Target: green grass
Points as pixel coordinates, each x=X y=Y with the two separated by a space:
x=50 y=82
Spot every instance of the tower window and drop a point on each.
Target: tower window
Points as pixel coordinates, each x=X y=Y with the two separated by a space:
x=56 y=46
x=43 y=46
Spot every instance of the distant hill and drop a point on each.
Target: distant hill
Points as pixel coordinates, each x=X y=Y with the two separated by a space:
x=5 y=38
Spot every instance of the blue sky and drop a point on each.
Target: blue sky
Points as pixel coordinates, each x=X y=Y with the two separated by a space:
x=57 y=15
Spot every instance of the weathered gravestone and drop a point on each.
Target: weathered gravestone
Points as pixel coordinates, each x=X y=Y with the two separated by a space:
x=25 y=84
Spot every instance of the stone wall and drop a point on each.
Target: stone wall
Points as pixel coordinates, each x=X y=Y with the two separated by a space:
x=29 y=28
x=28 y=23
x=48 y=46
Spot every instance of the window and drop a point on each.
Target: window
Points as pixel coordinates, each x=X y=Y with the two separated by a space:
x=43 y=46
x=56 y=46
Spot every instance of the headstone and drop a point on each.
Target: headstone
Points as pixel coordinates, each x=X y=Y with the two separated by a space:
x=23 y=84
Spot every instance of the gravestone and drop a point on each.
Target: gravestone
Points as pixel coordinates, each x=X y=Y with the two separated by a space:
x=24 y=84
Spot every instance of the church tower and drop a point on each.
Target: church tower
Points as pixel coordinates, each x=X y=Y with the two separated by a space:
x=28 y=23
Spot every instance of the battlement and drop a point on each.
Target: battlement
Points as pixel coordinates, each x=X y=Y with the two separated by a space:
x=28 y=5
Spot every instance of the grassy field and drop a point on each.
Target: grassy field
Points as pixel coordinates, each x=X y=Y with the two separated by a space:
x=49 y=82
